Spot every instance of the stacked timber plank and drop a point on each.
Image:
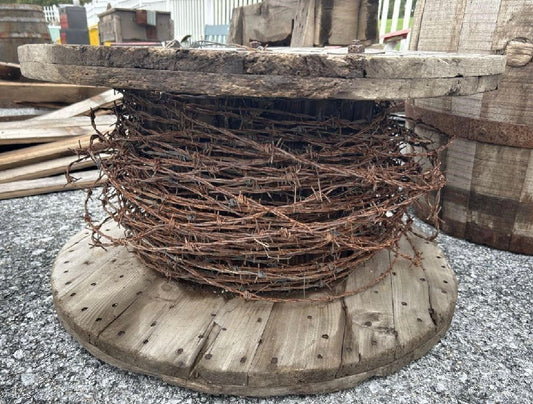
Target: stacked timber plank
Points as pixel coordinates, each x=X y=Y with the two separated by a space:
x=16 y=91
x=42 y=148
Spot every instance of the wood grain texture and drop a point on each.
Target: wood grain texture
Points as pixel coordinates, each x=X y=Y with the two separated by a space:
x=487 y=197
x=301 y=62
x=29 y=92
x=83 y=107
x=43 y=169
x=486 y=27
x=213 y=84
x=49 y=130
x=133 y=318
x=47 y=185
x=42 y=152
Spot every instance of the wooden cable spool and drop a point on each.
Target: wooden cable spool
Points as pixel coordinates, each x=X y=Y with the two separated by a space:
x=132 y=317
x=489 y=168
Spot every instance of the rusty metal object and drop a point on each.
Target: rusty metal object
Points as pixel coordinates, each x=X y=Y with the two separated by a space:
x=241 y=195
x=480 y=130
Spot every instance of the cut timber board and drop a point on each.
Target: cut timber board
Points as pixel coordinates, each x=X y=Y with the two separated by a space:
x=47 y=185
x=19 y=92
x=49 y=130
x=282 y=72
x=83 y=107
x=43 y=152
x=44 y=169
x=133 y=318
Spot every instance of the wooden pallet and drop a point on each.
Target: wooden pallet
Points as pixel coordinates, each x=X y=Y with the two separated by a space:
x=133 y=318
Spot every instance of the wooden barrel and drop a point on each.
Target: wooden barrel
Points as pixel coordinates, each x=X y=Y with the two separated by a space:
x=489 y=167
x=20 y=24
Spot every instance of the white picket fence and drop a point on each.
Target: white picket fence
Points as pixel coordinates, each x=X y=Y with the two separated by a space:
x=51 y=14
x=191 y=16
x=383 y=16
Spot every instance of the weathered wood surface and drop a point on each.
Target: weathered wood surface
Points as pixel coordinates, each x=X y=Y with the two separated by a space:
x=325 y=22
x=489 y=27
x=107 y=98
x=480 y=130
x=213 y=84
x=269 y=22
x=20 y=92
x=50 y=130
x=300 y=62
x=42 y=152
x=488 y=195
x=47 y=185
x=128 y=316
x=291 y=74
x=43 y=169
x=305 y=23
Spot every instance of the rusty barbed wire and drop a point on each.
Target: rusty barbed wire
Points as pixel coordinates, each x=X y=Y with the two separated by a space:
x=251 y=197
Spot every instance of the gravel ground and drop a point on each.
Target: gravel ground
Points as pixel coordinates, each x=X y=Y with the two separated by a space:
x=486 y=356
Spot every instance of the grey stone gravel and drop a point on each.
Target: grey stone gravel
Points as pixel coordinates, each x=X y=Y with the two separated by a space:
x=486 y=356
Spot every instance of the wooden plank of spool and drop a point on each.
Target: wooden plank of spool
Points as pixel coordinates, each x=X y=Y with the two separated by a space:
x=276 y=73
x=369 y=335
x=195 y=338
